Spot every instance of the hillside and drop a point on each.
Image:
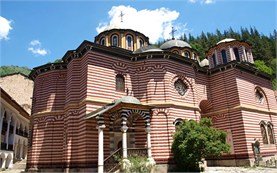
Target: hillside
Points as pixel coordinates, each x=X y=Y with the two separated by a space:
x=6 y=70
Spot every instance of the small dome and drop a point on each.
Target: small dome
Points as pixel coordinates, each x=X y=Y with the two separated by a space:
x=128 y=99
x=204 y=63
x=225 y=40
x=149 y=48
x=174 y=43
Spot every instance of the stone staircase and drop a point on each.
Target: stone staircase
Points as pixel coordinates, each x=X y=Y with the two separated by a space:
x=19 y=164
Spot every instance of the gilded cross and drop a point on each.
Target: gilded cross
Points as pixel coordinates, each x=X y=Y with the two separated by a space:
x=121 y=16
x=172 y=32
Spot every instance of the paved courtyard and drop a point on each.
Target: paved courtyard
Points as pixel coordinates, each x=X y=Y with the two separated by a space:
x=240 y=170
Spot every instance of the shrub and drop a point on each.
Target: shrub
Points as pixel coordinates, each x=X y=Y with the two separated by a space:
x=194 y=141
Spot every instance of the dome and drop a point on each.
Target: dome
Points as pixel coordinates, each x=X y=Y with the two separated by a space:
x=174 y=43
x=149 y=48
x=204 y=63
x=225 y=40
x=128 y=99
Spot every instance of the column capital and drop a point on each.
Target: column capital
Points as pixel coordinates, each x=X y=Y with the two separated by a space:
x=148 y=129
x=101 y=126
x=124 y=128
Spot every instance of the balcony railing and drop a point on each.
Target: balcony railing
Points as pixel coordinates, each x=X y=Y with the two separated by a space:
x=137 y=152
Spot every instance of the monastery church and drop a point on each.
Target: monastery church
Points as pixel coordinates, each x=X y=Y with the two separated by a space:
x=119 y=95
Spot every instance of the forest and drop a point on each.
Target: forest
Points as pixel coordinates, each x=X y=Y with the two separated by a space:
x=263 y=48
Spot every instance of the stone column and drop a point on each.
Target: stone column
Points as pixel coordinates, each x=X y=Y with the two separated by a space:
x=101 y=148
x=124 y=129
x=14 y=129
x=4 y=161
x=7 y=133
x=1 y=125
x=149 y=150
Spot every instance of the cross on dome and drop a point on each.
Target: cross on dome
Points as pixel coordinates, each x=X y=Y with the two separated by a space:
x=172 y=32
x=121 y=16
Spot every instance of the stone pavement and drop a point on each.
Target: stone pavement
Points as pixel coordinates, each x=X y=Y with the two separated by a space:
x=240 y=170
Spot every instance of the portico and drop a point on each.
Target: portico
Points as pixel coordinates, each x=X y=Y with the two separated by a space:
x=129 y=131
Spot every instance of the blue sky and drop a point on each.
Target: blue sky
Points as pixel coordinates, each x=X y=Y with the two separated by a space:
x=43 y=31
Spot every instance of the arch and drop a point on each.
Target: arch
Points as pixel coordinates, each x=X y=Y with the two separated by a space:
x=214 y=60
x=120 y=83
x=224 y=56
x=141 y=42
x=270 y=132
x=236 y=52
x=9 y=161
x=176 y=52
x=259 y=95
x=102 y=41
x=263 y=132
x=115 y=40
x=177 y=122
x=187 y=54
x=129 y=42
x=180 y=87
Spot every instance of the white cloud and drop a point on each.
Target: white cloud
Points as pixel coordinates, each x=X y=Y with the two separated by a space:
x=155 y=24
x=5 y=28
x=202 y=1
x=35 y=48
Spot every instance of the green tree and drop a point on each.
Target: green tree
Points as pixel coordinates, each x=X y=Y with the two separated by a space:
x=260 y=64
x=194 y=141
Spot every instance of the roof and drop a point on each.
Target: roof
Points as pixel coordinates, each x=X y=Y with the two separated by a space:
x=225 y=40
x=13 y=103
x=149 y=48
x=124 y=102
x=174 y=43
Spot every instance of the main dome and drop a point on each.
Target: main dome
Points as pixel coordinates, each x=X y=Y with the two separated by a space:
x=174 y=43
x=149 y=48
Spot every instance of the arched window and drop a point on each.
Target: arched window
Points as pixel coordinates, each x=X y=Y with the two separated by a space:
x=259 y=96
x=263 y=132
x=214 y=60
x=129 y=42
x=175 y=51
x=224 y=56
x=177 y=122
x=187 y=54
x=180 y=87
x=141 y=43
x=114 y=40
x=270 y=133
x=120 y=83
x=102 y=41
x=236 y=52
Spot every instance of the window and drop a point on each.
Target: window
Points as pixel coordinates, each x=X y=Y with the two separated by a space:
x=224 y=57
x=236 y=51
x=259 y=96
x=187 y=54
x=270 y=133
x=102 y=41
x=264 y=135
x=114 y=40
x=176 y=52
x=129 y=42
x=177 y=122
x=120 y=83
x=180 y=87
x=141 y=43
x=214 y=60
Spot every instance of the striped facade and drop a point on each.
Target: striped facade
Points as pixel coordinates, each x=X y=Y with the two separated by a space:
x=64 y=93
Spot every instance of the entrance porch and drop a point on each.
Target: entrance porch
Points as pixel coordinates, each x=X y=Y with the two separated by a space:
x=128 y=123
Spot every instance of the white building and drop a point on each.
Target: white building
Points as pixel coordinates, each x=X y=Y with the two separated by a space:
x=14 y=127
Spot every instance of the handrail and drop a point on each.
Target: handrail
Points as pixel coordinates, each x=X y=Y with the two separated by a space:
x=112 y=154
